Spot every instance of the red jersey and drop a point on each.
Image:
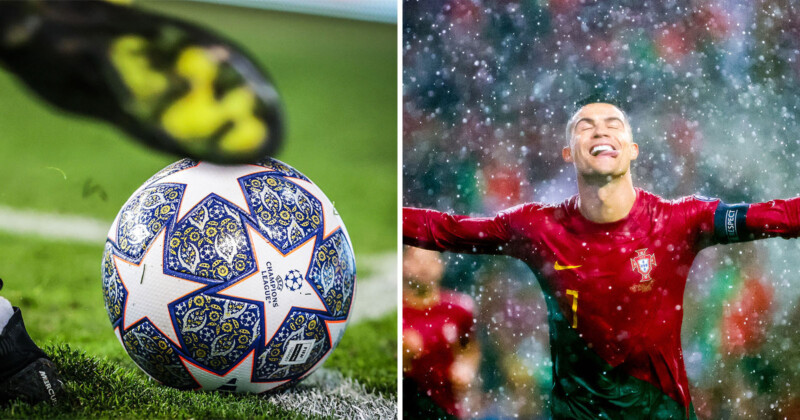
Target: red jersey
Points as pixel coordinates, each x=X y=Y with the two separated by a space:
x=614 y=291
x=443 y=327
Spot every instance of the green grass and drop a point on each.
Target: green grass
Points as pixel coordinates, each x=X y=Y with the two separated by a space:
x=101 y=389
x=58 y=286
x=338 y=80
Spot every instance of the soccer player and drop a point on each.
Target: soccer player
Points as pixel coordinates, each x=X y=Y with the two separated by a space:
x=612 y=262
x=440 y=355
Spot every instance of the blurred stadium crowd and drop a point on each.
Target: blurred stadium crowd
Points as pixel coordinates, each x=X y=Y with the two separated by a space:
x=713 y=92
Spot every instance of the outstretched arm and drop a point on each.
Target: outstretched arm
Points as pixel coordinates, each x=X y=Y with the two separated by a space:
x=745 y=222
x=721 y=223
x=431 y=229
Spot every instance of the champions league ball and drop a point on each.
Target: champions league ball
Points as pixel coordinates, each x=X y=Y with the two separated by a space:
x=235 y=278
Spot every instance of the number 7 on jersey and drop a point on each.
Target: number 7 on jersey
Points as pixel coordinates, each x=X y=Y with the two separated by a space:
x=574 y=294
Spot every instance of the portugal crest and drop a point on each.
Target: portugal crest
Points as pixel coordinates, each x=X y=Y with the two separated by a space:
x=643 y=264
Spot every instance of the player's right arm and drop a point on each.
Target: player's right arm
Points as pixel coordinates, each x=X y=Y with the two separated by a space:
x=439 y=231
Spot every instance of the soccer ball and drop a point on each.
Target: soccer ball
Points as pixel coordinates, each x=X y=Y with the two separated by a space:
x=237 y=278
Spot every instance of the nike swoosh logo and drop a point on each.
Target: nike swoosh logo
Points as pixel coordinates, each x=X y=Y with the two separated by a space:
x=560 y=267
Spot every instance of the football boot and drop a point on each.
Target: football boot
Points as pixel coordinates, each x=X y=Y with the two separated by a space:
x=26 y=373
x=172 y=85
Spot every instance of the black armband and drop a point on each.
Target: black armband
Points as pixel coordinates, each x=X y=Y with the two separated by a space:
x=729 y=223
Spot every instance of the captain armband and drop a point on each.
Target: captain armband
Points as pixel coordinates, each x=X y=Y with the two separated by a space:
x=729 y=223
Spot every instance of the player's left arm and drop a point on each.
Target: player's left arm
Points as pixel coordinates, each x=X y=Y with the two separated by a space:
x=773 y=218
x=722 y=223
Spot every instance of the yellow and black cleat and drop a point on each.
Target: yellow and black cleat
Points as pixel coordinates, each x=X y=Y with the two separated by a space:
x=172 y=85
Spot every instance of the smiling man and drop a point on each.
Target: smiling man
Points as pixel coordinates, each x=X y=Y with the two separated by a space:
x=612 y=262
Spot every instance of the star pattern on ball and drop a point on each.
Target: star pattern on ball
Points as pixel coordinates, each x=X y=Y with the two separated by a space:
x=205 y=179
x=329 y=213
x=278 y=299
x=237 y=379
x=150 y=290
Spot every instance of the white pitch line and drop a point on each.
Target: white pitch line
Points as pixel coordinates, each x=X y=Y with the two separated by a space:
x=327 y=392
x=53 y=226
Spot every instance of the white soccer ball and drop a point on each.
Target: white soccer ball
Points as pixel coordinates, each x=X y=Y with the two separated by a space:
x=237 y=278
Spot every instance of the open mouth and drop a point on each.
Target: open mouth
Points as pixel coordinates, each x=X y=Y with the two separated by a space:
x=603 y=150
